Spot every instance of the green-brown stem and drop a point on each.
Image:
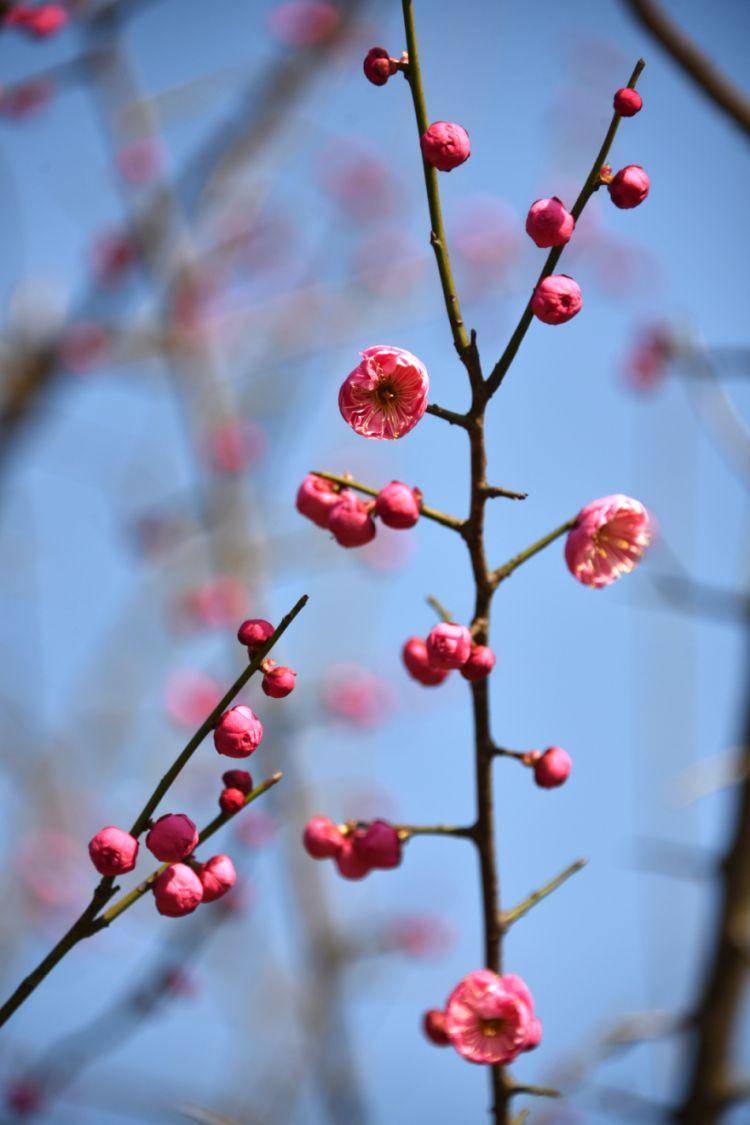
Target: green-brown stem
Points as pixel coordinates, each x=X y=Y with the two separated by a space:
x=510 y=916
x=507 y=569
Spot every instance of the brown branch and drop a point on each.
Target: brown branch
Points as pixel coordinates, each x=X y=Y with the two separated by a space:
x=701 y=70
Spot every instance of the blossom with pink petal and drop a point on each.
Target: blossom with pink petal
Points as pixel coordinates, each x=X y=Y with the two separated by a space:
x=40 y=22
x=239 y=732
x=448 y=645
x=386 y=394
x=278 y=681
x=113 y=851
x=433 y=1025
x=315 y=498
x=629 y=187
x=556 y=299
x=490 y=1019
x=254 y=633
x=627 y=102
x=417 y=663
x=355 y=695
x=552 y=768
x=397 y=505
x=217 y=876
x=322 y=839
x=480 y=663
x=445 y=145
x=177 y=891
x=172 y=837
x=349 y=862
x=350 y=521
x=379 y=66
x=608 y=540
x=548 y=223
x=378 y=845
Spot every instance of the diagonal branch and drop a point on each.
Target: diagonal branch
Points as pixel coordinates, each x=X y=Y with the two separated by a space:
x=345 y=481
x=508 y=917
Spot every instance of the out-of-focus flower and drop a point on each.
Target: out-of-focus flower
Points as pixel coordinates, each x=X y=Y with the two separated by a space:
x=140 y=162
x=191 y=696
x=359 y=181
x=26 y=100
x=608 y=540
x=418 y=935
x=304 y=23
x=41 y=22
x=235 y=446
x=386 y=393
x=355 y=695
x=490 y=1019
x=417 y=663
x=53 y=869
x=24 y=1097
x=256 y=829
x=214 y=604
x=83 y=347
x=647 y=360
x=114 y=256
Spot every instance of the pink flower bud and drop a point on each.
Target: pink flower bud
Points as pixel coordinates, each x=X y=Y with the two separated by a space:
x=45 y=20
x=552 y=768
x=112 y=851
x=238 y=779
x=351 y=522
x=433 y=1024
x=278 y=682
x=556 y=299
x=629 y=187
x=414 y=656
x=177 y=891
x=231 y=800
x=448 y=645
x=398 y=505
x=350 y=864
x=480 y=663
x=386 y=394
x=378 y=66
x=254 y=633
x=239 y=732
x=315 y=498
x=322 y=839
x=548 y=223
x=172 y=837
x=627 y=102
x=217 y=876
x=445 y=145
x=378 y=845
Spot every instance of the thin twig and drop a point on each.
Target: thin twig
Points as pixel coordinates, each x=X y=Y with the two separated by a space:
x=590 y=185
x=440 y=610
x=346 y=481
x=507 y=569
x=509 y=917
x=704 y=73
x=451 y=416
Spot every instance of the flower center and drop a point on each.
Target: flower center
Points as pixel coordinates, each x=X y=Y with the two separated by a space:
x=492 y=1028
x=385 y=392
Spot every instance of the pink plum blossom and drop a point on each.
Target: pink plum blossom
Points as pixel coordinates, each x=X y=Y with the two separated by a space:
x=350 y=521
x=445 y=145
x=480 y=663
x=552 y=768
x=433 y=1025
x=113 y=851
x=349 y=862
x=239 y=732
x=398 y=506
x=315 y=498
x=386 y=394
x=231 y=800
x=548 y=223
x=490 y=1019
x=172 y=837
x=217 y=876
x=608 y=540
x=556 y=299
x=417 y=663
x=379 y=66
x=627 y=102
x=322 y=839
x=629 y=187
x=378 y=845
x=177 y=891
x=448 y=645
x=278 y=681
x=254 y=633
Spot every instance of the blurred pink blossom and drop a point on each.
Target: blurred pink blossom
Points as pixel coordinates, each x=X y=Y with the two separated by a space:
x=140 y=162
x=234 y=446
x=190 y=696
x=304 y=23
x=84 y=347
x=217 y=603
x=354 y=695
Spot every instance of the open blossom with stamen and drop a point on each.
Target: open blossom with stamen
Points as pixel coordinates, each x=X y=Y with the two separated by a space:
x=608 y=540
x=490 y=1019
x=386 y=394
